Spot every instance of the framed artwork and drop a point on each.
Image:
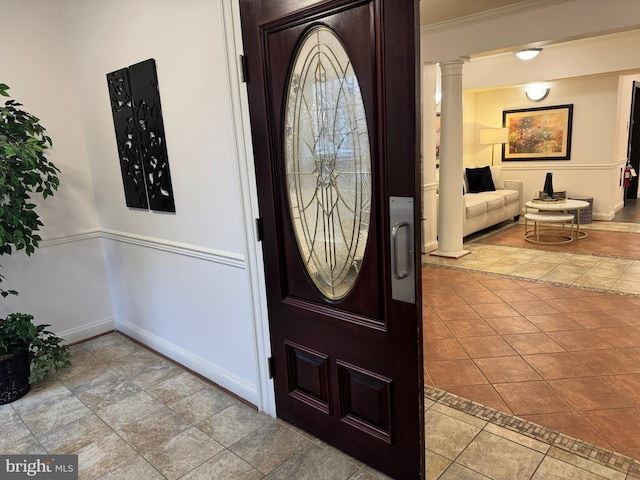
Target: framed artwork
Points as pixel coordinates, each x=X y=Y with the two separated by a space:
x=542 y=133
x=437 y=139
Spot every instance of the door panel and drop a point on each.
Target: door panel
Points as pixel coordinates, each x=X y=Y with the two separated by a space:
x=280 y=41
x=347 y=361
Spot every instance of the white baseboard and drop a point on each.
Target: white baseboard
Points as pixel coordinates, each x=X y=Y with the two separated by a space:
x=213 y=372
x=605 y=217
x=89 y=330
x=429 y=246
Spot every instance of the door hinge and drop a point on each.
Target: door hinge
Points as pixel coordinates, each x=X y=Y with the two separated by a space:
x=271 y=366
x=243 y=68
x=259 y=229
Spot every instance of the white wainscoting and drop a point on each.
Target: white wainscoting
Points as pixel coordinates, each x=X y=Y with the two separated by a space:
x=83 y=332
x=190 y=303
x=198 y=364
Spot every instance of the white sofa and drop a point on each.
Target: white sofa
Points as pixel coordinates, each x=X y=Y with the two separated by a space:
x=487 y=208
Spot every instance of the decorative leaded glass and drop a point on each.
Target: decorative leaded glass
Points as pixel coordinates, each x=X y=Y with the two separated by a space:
x=327 y=162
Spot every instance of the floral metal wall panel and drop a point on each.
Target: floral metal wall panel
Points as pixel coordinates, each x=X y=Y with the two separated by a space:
x=135 y=192
x=137 y=117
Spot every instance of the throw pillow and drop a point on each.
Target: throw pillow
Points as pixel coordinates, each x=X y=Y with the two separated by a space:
x=480 y=180
x=465 y=182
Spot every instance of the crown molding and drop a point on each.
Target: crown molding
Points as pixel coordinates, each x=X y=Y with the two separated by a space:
x=493 y=14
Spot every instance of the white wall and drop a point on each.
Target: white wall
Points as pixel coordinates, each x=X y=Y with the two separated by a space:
x=429 y=173
x=180 y=282
x=64 y=283
x=187 y=283
x=187 y=44
x=593 y=165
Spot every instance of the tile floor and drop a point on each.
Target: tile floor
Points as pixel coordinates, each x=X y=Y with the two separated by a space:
x=630 y=212
x=563 y=358
x=129 y=413
x=461 y=446
x=504 y=328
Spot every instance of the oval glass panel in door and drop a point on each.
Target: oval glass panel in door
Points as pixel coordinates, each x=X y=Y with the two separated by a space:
x=327 y=162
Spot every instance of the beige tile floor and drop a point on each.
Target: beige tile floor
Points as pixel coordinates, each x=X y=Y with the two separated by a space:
x=129 y=413
x=603 y=273
x=464 y=447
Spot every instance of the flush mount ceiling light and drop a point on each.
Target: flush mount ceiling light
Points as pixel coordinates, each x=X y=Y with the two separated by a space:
x=528 y=53
x=537 y=93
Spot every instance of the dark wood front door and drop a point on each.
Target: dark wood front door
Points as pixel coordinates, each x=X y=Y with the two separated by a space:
x=634 y=140
x=332 y=98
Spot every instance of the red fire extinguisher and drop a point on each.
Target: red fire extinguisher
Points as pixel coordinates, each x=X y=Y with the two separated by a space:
x=627 y=175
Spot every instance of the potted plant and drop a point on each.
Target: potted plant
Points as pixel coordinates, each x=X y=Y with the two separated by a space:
x=27 y=351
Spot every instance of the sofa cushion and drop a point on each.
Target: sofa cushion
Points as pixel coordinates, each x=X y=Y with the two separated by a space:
x=480 y=179
x=494 y=202
x=496 y=175
x=474 y=205
x=509 y=196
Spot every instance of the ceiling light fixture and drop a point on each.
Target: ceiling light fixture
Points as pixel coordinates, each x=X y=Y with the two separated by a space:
x=528 y=53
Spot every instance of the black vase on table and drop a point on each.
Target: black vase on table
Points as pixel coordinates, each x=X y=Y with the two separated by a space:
x=548 y=185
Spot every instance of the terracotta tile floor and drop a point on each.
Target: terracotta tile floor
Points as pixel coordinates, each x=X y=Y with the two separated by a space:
x=565 y=358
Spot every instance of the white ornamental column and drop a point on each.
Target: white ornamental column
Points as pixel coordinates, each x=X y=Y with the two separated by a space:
x=451 y=203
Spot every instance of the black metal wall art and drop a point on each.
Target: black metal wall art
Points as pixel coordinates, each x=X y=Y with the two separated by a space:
x=126 y=138
x=137 y=119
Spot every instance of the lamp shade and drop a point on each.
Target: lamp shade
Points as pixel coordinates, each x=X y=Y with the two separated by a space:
x=493 y=136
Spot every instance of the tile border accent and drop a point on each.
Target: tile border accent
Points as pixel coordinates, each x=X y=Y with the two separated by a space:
x=546 y=435
x=479 y=270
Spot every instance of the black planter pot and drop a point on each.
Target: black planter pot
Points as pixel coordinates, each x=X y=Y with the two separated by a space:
x=14 y=377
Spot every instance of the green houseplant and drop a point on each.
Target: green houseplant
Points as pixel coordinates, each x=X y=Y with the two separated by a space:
x=18 y=333
x=24 y=171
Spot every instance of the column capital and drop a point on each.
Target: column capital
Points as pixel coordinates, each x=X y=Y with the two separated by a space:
x=452 y=67
x=455 y=61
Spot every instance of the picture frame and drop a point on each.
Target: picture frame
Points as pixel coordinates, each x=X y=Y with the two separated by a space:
x=542 y=133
